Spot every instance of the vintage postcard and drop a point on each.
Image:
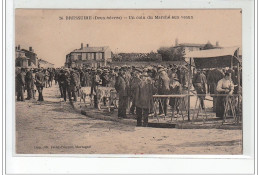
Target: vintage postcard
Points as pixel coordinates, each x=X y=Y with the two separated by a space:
x=139 y=82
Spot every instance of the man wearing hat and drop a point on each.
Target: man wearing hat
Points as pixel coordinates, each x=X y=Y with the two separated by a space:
x=121 y=87
x=58 y=79
x=135 y=79
x=29 y=84
x=199 y=82
x=163 y=88
x=20 y=83
x=105 y=78
x=105 y=81
x=144 y=98
x=65 y=83
x=96 y=81
x=74 y=84
x=175 y=88
x=40 y=82
x=88 y=77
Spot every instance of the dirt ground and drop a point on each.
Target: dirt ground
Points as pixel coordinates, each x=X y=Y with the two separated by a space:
x=53 y=127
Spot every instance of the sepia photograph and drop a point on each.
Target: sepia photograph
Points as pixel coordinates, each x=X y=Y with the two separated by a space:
x=135 y=82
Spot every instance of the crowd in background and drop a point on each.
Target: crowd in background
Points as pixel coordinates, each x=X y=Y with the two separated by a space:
x=135 y=85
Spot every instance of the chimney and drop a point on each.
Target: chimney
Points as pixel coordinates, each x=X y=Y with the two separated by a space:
x=217 y=44
x=81 y=46
x=87 y=45
x=176 y=42
x=30 y=49
x=18 y=47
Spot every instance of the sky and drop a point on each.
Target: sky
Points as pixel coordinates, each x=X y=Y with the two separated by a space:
x=52 y=37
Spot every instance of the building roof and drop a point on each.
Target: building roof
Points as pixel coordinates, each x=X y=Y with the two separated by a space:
x=191 y=45
x=41 y=60
x=211 y=53
x=25 y=50
x=91 y=49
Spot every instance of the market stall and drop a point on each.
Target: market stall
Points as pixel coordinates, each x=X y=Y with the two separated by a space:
x=215 y=58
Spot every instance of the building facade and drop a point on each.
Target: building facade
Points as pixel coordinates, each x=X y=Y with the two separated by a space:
x=20 y=59
x=92 y=56
x=33 y=59
x=28 y=59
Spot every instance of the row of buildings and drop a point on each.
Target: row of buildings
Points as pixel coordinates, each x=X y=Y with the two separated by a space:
x=29 y=59
x=101 y=56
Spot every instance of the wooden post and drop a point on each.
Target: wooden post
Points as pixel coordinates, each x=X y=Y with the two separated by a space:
x=231 y=64
x=238 y=80
x=189 y=84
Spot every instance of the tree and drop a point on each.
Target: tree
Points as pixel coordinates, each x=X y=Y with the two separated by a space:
x=208 y=46
x=171 y=53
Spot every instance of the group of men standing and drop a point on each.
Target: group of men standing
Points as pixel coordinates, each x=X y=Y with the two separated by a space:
x=29 y=78
x=135 y=86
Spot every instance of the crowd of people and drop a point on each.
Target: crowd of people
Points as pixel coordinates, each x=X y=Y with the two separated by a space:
x=135 y=85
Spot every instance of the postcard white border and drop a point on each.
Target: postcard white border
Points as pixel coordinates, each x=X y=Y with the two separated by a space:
x=159 y=164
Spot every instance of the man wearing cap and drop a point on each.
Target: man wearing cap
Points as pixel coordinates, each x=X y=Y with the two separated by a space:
x=65 y=83
x=213 y=77
x=175 y=88
x=163 y=88
x=29 y=84
x=133 y=86
x=46 y=77
x=199 y=82
x=105 y=78
x=88 y=77
x=82 y=77
x=144 y=99
x=40 y=82
x=59 y=74
x=20 y=83
x=74 y=84
x=96 y=81
x=121 y=88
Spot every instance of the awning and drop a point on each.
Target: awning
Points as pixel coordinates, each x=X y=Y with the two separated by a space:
x=214 y=58
x=230 y=51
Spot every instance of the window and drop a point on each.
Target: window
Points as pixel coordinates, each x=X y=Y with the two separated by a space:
x=84 y=56
x=79 y=57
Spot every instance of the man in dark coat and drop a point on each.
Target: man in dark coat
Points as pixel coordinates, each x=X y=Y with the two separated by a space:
x=105 y=78
x=74 y=84
x=58 y=79
x=40 y=82
x=29 y=84
x=199 y=82
x=121 y=88
x=64 y=81
x=88 y=77
x=133 y=87
x=162 y=84
x=144 y=99
x=51 y=77
x=20 y=83
x=96 y=81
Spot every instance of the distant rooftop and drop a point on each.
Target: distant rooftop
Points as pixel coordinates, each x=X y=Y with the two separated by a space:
x=41 y=60
x=191 y=44
x=91 y=49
